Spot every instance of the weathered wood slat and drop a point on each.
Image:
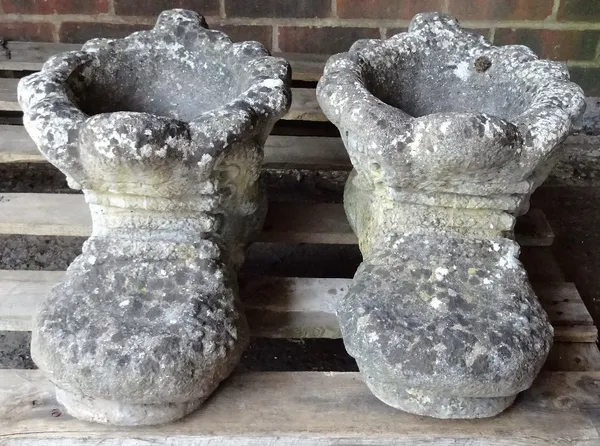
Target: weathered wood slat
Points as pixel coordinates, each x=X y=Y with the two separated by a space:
x=8 y=95
x=304 y=103
x=573 y=357
x=301 y=152
x=305 y=106
x=281 y=152
x=577 y=333
x=16 y=146
x=310 y=408
x=67 y=214
x=30 y=56
x=290 y=307
x=285 y=152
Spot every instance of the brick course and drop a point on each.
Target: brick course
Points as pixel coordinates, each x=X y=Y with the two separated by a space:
x=54 y=6
x=239 y=33
x=152 y=8
x=501 y=9
x=558 y=29
x=36 y=32
x=579 y=10
x=553 y=44
x=325 y=40
x=386 y=9
x=278 y=8
x=77 y=32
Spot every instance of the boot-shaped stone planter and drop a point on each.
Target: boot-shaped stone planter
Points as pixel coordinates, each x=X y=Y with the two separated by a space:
x=448 y=136
x=163 y=131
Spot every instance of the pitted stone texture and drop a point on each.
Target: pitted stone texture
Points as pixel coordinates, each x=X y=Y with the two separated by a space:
x=163 y=131
x=438 y=317
x=448 y=136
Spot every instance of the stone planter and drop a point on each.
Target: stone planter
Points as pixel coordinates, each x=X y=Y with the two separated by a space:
x=448 y=136
x=163 y=131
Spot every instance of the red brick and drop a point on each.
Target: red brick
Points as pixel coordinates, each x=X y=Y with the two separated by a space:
x=501 y=9
x=38 y=32
x=579 y=10
x=77 y=32
x=278 y=8
x=155 y=7
x=386 y=9
x=240 y=33
x=326 y=40
x=54 y=6
x=553 y=44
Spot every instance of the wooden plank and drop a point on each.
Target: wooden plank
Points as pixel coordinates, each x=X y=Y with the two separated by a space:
x=563 y=303
x=305 y=67
x=30 y=56
x=281 y=152
x=305 y=106
x=576 y=333
x=8 y=95
x=310 y=408
x=29 y=214
x=288 y=307
x=307 y=223
x=67 y=214
x=20 y=293
x=17 y=147
x=303 y=152
x=573 y=357
x=304 y=102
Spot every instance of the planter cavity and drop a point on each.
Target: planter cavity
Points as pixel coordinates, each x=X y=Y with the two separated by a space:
x=163 y=131
x=448 y=136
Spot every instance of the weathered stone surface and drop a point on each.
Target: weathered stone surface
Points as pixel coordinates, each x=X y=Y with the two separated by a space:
x=449 y=136
x=163 y=131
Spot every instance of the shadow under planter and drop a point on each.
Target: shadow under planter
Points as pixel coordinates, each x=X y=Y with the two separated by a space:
x=448 y=136
x=163 y=131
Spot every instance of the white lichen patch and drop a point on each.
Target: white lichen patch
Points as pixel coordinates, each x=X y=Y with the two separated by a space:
x=441 y=272
x=436 y=303
x=463 y=70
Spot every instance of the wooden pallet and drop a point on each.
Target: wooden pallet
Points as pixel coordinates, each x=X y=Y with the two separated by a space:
x=285 y=408
x=312 y=409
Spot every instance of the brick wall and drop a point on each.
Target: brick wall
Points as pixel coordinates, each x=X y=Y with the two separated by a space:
x=557 y=29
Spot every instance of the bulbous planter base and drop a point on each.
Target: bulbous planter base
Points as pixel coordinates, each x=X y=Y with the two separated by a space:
x=166 y=330
x=118 y=413
x=434 y=405
x=444 y=326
